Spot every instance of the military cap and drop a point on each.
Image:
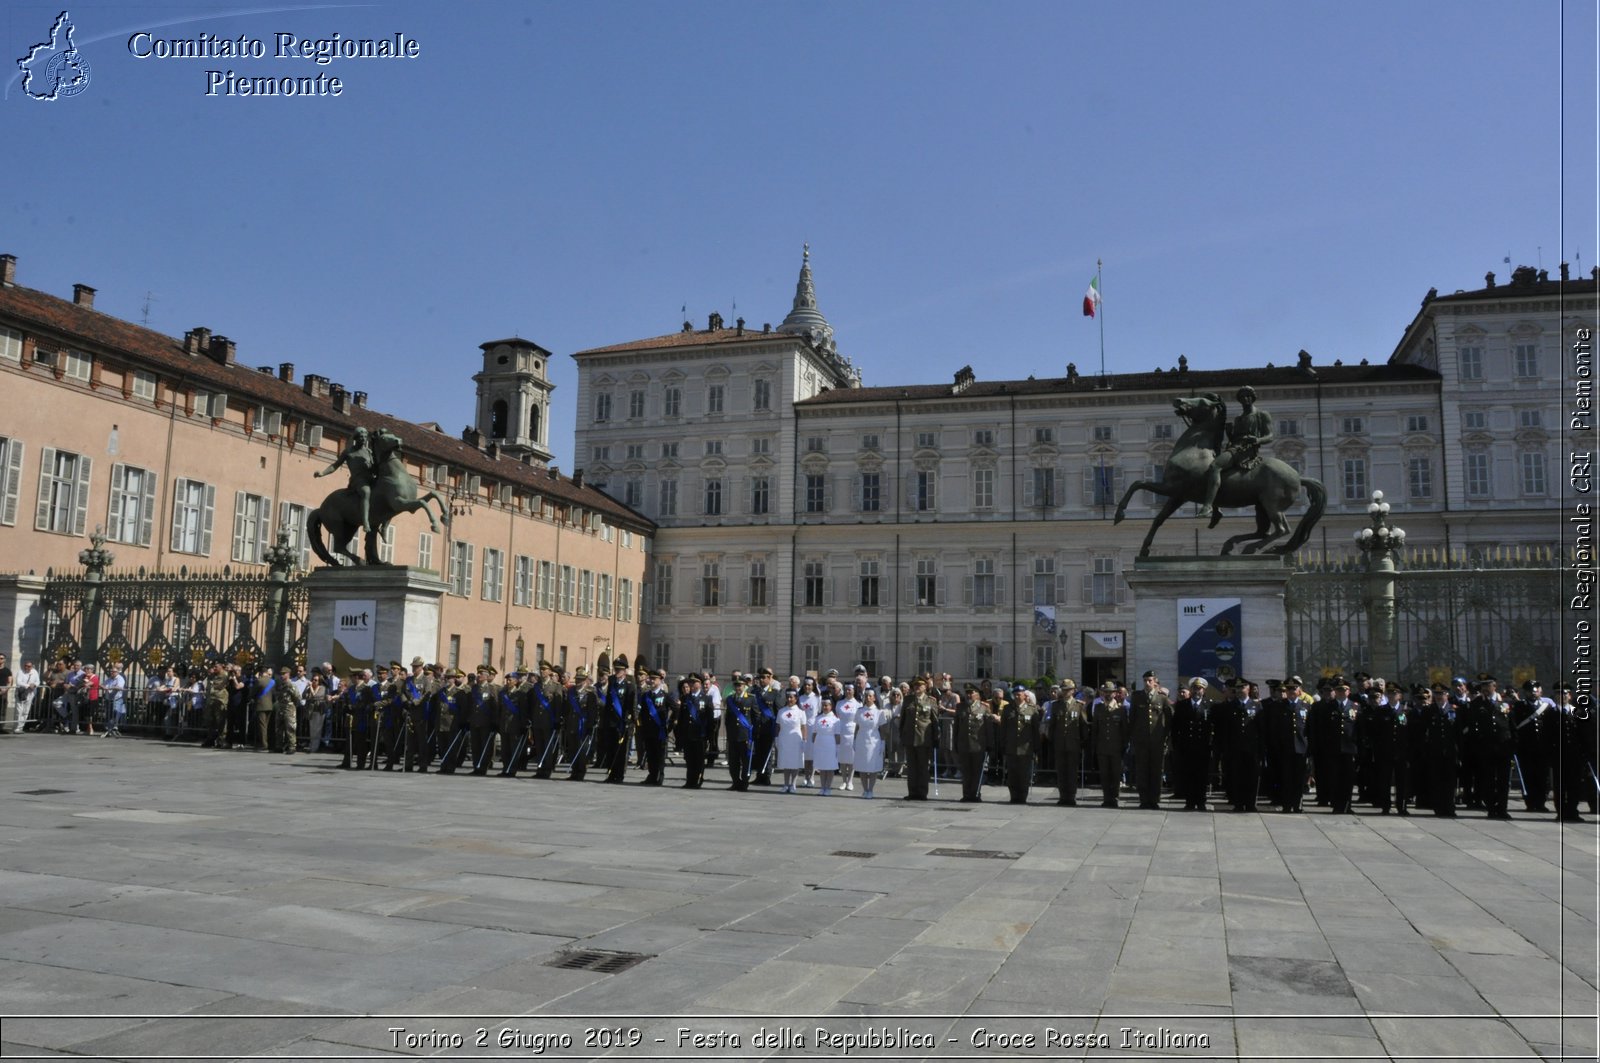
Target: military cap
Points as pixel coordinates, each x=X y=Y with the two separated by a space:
x=1339 y=681
x=1440 y=687
x=832 y=673
x=1460 y=680
x=1067 y=684
x=418 y=662
x=581 y=673
x=1238 y=681
x=1531 y=683
x=1417 y=690
x=489 y=668
x=396 y=664
x=861 y=669
x=659 y=673
x=766 y=671
x=620 y=663
x=1108 y=687
x=456 y=673
x=1294 y=681
x=1274 y=684
x=1150 y=674
x=1199 y=681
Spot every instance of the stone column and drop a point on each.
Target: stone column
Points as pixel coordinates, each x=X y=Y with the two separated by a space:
x=21 y=630
x=1158 y=583
x=397 y=609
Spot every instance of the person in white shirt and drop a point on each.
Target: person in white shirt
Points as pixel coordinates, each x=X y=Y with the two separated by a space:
x=846 y=710
x=27 y=683
x=114 y=694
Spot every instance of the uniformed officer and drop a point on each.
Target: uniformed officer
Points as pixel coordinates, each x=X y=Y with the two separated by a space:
x=1149 y=718
x=216 y=707
x=418 y=690
x=1441 y=731
x=1380 y=731
x=736 y=712
x=1239 y=718
x=545 y=696
x=689 y=724
x=1532 y=764
x=1191 y=745
x=768 y=695
x=656 y=706
x=1066 y=724
x=511 y=724
x=261 y=702
x=452 y=702
x=1495 y=745
x=1109 y=723
x=580 y=715
x=973 y=721
x=358 y=719
x=286 y=705
x=1021 y=725
x=919 y=720
x=482 y=699
x=1567 y=735
x=1287 y=716
x=621 y=705
x=393 y=718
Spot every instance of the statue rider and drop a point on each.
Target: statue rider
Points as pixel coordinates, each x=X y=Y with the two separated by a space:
x=357 y=456
x=1246 y=434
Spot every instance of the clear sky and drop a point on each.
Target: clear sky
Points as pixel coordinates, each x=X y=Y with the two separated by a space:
x=1257 y=177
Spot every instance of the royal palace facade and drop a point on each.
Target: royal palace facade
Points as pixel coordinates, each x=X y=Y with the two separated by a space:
x=187 y=458
x=806 y=521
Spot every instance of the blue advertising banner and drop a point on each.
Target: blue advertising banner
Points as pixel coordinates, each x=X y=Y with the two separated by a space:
x=1210 y=643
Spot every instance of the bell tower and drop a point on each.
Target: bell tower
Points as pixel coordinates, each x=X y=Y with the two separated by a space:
x=514 y=398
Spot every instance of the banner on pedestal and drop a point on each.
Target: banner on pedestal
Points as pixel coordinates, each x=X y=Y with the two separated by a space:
x=354 y=622
x=1210 y=642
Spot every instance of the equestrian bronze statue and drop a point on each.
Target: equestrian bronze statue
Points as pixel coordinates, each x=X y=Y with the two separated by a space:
x=380 y=489
x=1218 y=465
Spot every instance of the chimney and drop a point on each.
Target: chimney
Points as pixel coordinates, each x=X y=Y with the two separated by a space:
x=766 y=327
x=316 y=385
x=472 y=437
x=286 y=372
x=338 y=393
x=577 y=477
x=83 y=295
x=196 y=341
x=359 y=398
x=266 y=369
x=554 y=472
x=221 y=350
x=8 y=271
x=738 y=323
x=1488 y=279
x=1565 y=272
x=493 y=450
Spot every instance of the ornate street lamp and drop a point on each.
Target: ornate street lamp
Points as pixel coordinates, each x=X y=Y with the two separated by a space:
x=1379 y=543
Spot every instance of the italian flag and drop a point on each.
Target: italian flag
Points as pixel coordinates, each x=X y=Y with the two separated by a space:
x=1091 y=298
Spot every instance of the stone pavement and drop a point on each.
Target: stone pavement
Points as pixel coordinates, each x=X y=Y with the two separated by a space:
x=160 y=900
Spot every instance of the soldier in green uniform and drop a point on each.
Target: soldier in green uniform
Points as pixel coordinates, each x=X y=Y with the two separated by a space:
x=1066 y=725
x=418 y=689
x=544 y=720
x=286 y=701
x=1109 y=724
x=973 y=723
x=481 y=699
x=216 y=707
x=1149 y=717
x=261 y=701
x=1021 y=724
x=919 y=718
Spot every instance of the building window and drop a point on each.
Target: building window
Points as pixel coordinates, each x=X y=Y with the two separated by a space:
x=193 y=504
x=756 y=656
x=761 y=395
x=603 y=596
x=144 y=385
x=1046 y=436
x=811 y=657
x=1417 y=422
x=867 y=657
x=708 y=657
x=924 y=658
x=811 y=584
x=869 y=442
x=1044 y=581
x=816 y=444
x=711 y=584
x=425 y=551
x=713 y=447
x=672 y=402
x=488 y=651
x=983 y=661
x=758 y=583
x=63 y=492
x=586 y=592
x=635 y=452
x=600 y=455
x=927 y=576
x=1352 y=426
x=1044 y=658
x=869 y=582
x=11 y=345
x=569 y=588
x=1470 y=361
x=625 y=601
x=1478 y=475
x=1288 y=428
x=669 y=452
x=292 y=518
x=1530 y=419
x=522 y=580
x=1102 y=491
x=663 y=584
x=762 y=445
x=544 y=588
x=252 y=526
x=633 y=492
x=520 y=659
x=714 y=395
x=661 y=654
x=1533 y=481
x=1041 y=488
x=386 y=546
x=77 y=365
x=1103 y=581
x=497 y=419
x=494 y=575
x=983 y=583
x=1527 y=360
x=669 y=498
x=816 y=492
x=1419 y=477
x=714 y=497
x=926 y=441
x=1164 y=431
x=1355 y=479
x=635 y=404
x=453 y=657
x=760 y=495
x=602 y=407
x=923 y=483
x=871 y=492
x=460 y=578
x=982 y=488
x=1474 y=420
x=133 y=502
x=983 y=437
x=1103 y=433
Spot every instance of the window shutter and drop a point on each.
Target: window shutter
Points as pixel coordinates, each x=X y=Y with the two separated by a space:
x=119 y=483
x=1120 y=588
x=274 y=423
x=1088 y=485
x=177 y=508
x=147 y=509
x=911 y=490
x=1059 y=479
x=8 y=504
x=1029 y=495
x=47 y=469
x=80 y=497
x=972 y=661
x=207 y=520
x=700 y=591
x=827 y=493
x=1061 y=588
x=219 y=406
x=240 y=514
x=314 y=436
x=1087 y=592
x=966 y=590
x=1000 y=589
x=855 y=493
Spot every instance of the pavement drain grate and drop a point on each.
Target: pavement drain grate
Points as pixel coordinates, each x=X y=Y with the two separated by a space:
x=978 y=854
x=853 y=853
x=595 y=960
x=41 y=793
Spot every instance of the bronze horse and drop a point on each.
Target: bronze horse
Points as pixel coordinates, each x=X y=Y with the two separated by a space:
x=1270 y=485
x=393 y=492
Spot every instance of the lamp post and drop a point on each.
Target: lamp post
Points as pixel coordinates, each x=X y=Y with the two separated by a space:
x=1379 y=542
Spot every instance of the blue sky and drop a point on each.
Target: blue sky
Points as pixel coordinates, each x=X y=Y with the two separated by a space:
x=1258 y=178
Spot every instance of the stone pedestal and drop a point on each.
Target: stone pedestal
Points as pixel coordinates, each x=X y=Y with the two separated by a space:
x=21 y=632
x=363 y=615
x=1160 y=583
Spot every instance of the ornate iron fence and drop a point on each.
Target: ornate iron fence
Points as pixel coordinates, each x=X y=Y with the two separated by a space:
x=1461 y=614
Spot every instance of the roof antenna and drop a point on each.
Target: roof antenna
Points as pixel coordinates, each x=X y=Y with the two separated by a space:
x=149 y=297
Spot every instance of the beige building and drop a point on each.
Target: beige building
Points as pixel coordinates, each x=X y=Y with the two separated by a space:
x=189 y=458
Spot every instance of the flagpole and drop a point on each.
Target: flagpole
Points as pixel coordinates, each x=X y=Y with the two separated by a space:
x=1099 y=288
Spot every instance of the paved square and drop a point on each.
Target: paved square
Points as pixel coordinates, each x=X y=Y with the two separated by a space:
x=172 y=901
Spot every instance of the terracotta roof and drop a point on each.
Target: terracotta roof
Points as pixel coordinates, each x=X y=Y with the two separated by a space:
x=1516 y=288
x=1089 y=384
x=701 y=338
x=64 y=321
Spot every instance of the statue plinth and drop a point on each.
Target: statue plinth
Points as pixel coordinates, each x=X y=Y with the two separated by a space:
x=1214 y=616
x=370 y=614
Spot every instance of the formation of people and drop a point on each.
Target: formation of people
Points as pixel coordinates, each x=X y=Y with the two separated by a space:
x=1444 y=747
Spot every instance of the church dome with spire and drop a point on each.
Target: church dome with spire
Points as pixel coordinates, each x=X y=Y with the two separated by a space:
x=806 y=321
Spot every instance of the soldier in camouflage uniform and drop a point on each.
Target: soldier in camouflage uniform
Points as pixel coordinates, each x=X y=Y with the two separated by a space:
x=286 y=700
x=216 y=707
x=919 y=718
